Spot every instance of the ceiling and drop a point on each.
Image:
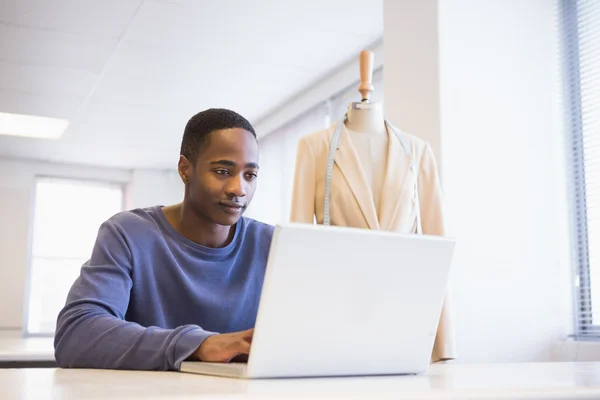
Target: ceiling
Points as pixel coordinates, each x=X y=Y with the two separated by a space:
x=128 y=74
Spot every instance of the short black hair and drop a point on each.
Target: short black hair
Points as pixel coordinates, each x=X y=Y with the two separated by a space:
x=204 y=123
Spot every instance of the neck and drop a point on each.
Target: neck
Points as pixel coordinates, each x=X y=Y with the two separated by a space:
x=365 y=117
x=197 y=228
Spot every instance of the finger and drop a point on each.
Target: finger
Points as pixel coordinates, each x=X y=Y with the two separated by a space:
x=242 y=347
x=247 y=335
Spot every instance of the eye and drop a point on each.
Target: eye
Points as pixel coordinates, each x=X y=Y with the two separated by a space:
x=251 y=175
x=221 y=171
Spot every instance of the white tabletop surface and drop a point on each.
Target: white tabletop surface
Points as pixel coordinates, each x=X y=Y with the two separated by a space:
x=458 y=381
x=14 y=347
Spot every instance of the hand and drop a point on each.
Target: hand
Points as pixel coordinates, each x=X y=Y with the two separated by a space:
x=224 y=347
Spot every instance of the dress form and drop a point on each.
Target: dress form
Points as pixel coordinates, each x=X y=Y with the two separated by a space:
x=366 y=128
x=341 y=171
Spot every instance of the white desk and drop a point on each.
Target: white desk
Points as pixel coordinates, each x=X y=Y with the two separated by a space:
x=25 y=351
x=459 y=381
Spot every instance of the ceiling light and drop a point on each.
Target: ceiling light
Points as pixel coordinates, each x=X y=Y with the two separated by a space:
x=32 y=126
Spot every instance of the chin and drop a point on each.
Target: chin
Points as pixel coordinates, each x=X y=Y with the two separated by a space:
x=227 y=219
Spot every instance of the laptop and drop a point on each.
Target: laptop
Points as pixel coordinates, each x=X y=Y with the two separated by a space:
x=340 y=301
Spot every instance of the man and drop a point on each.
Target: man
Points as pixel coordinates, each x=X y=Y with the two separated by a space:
x=167 y=284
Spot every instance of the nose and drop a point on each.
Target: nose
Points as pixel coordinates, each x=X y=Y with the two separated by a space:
x=235 y=187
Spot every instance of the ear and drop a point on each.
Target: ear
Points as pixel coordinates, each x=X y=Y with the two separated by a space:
x=184 y=167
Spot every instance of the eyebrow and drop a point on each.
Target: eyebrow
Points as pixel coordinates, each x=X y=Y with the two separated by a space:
x=230 y=163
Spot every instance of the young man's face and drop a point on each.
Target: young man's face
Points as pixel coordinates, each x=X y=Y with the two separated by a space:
x=222 y=181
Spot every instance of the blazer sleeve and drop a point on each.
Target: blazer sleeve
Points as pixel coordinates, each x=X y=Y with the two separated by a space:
x=303 y=193
x=430 y=195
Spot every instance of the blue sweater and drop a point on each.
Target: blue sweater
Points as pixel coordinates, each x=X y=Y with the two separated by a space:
x=148 y=297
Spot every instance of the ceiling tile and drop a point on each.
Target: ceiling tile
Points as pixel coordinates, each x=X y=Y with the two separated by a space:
x=106 y=18
x=45 y=105
x=54 y=49
x=45 y=80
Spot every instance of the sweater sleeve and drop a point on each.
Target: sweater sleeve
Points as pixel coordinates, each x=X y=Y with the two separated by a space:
x=91 y=329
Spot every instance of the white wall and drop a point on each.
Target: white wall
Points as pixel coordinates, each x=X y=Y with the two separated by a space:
x=501 y=163
x=143 y=188
x=411 y=70
x=269 y=202
x=154 y=187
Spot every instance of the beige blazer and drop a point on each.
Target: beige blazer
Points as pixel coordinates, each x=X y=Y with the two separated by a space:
x=352 y=201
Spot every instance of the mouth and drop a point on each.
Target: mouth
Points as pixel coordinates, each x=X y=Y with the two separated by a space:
x=232 y=207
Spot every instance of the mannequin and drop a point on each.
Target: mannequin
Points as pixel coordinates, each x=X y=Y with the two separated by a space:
x=363 y=172
x=366 y=128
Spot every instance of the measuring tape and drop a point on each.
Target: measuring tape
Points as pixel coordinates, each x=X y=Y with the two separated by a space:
x=335 y=140
x=333 y=147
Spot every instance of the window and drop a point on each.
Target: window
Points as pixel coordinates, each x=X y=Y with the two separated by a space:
x=67 y=215
x=580 y=21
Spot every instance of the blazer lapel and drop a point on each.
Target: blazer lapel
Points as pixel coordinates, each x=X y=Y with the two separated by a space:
x=349 y=164
x=395 y=186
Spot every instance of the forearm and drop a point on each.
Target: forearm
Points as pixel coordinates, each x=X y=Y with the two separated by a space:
x=88 y=336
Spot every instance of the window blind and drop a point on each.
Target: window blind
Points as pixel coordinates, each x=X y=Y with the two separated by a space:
x=580 y=22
